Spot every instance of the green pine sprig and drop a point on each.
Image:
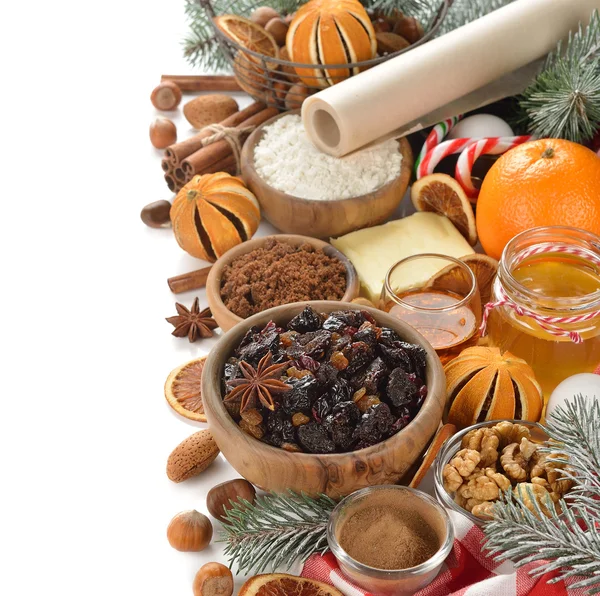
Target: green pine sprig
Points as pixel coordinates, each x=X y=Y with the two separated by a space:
x=564 y=100
x=276 y=530
x=462 y=12
x=570 y=542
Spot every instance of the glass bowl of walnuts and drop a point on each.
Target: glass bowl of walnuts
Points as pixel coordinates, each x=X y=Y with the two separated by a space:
x=479 y=463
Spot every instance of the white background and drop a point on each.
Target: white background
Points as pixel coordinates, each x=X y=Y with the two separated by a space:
x=85 y=431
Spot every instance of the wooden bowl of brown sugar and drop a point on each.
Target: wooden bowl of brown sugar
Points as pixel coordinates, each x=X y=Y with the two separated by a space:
x=241 y=284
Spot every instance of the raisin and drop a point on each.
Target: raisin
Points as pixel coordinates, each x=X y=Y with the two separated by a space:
x=291 y=447
x=396 y=357
x=340 y=391
x=301 y=397
x=231 y=369
x=341 y=424
x=313 y=344
x=298 y=419
x=307 y=320
x=371 y=378
x=322 y=408
x=327 y=374
x=400 y=389
x=359 y=354
x=388 y=337
x=365 y=402
x=253 y=430
x=367 y=335
x=339 y=360
x=315 y=439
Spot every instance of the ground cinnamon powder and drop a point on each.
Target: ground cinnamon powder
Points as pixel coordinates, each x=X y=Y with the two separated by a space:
x=280 y=273
x=388 y=537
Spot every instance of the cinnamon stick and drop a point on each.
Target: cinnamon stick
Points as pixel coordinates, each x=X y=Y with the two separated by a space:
x=176 y=153
x=166 y=166
x=203 y=82
x=189 y=281
x=179 y=175
x=170 y=180
x=202 y=159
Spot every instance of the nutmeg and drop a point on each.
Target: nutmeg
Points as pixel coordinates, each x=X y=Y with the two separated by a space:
x=192 y=456
x=409 y=28
x=162 y=133
x=278 y=28
x=388 y=43
x=263 y=14
x=213 y=579
x=166 y=96
x=157 y=214
x=190 y=531
x=219 y=496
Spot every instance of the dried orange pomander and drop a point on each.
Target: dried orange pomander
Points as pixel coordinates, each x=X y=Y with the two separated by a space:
x=541 y=183
x=330 y=32
x=213 y=213
x=484 y=384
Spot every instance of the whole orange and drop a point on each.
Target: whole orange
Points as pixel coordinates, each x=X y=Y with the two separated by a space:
x=540 y=183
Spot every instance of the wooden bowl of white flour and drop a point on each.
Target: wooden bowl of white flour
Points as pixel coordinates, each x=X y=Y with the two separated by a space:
x=304 y=191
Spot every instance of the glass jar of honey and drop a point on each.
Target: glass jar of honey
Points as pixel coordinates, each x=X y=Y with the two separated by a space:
x=545 y=305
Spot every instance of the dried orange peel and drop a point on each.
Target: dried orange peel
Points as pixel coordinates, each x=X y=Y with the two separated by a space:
x=442 y=194
x=183 y=390
x=248 y=34
x=281 y=584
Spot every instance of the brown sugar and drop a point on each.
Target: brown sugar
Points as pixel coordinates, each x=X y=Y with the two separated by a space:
x=280 y=273
x=388 y=537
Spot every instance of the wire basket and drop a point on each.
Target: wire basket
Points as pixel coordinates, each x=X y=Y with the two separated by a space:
x=274 y=81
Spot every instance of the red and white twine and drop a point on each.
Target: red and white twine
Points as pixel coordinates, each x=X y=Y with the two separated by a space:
x=553 y=325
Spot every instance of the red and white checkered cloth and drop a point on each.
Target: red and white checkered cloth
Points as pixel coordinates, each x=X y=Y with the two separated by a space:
x=466 y=572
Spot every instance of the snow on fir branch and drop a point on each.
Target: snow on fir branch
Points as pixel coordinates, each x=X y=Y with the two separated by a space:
x=569 y=542
x=564 y=100
x=276 y=530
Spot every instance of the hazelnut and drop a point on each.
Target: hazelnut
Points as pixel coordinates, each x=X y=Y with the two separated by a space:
x=388 y=43
x=166 y=96
x=219 y=497
x=409 y=28
x=381 y=25
x=157 y=214
x=263 y=14
x=295 y=97
x=162 y=133
x=213 y=579
x=278 y=28
x=190 y=531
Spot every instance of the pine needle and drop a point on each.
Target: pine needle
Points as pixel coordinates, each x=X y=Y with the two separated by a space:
x=568 y=543
x=276 y=531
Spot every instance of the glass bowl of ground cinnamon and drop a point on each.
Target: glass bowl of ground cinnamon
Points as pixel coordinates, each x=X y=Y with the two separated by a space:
x=275 y=270
x=390 y=540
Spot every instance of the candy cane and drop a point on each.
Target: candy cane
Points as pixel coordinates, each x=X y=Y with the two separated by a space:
x=436 y=136
x=491 y=146
x=433 y=157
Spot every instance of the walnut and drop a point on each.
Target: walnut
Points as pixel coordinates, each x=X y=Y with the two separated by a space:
x=559 y=483
x=452 y=479
x=513 y=463
x=484 y=510
x=527 y=448
x=510 y=433
x=471 y=503
x=482 y=488
x=460 y=500
x=541 y=482
x=538 y=469
x=500 y=479
x=484 y=440
x=539 y=493
x=460 y=466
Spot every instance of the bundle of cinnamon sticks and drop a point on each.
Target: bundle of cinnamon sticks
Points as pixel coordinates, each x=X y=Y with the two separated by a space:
x=182 y=161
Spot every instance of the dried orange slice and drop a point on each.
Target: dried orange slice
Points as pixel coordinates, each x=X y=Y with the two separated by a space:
x=450 y=277
x=442 y=194
x=281 y=584
x=248 y=34
x=184 y=392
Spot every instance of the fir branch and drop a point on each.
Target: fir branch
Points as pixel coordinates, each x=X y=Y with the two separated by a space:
x=570 y=542
x=564 y=99
x=462 y=12
x=276 y=530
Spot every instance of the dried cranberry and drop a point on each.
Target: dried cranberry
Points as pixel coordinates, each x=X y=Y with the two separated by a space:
x=308 y=363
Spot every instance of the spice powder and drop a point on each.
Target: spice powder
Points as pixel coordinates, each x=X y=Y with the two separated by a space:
x=388 y=536
x=279 y=273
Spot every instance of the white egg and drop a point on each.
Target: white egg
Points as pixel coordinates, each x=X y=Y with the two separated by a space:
x=481 y=126
x=587 y=384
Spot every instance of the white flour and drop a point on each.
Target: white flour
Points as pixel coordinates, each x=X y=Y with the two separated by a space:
x=287 y=160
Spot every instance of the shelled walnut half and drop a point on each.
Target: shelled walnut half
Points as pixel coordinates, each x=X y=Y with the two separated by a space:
x=500 y=458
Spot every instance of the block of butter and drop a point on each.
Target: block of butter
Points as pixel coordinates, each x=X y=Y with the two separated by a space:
x=374 y=250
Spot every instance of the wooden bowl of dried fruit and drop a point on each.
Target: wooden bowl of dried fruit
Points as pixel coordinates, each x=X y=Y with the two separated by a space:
x=322 y=397
x=266 y=273
x=319 y=217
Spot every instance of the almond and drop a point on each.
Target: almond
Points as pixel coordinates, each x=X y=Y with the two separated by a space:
x=388 y=43
x=192 y=456
x=209 y=109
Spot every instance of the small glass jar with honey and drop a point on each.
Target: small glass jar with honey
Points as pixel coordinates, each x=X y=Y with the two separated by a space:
x=545 y=305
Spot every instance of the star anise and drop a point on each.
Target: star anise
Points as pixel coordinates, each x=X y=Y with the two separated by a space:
x=194 y=323
x=260 y=383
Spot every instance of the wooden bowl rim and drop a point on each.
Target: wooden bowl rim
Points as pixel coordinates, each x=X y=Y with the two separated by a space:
x=213 y=401
x=213 y=281
x=248 y=169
